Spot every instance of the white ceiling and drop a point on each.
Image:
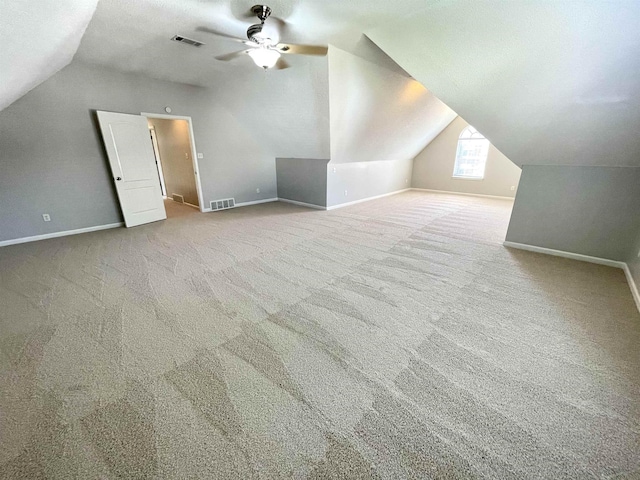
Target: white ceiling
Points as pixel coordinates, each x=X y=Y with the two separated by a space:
x=38 y=39
x=134 y=36
x=547 y=82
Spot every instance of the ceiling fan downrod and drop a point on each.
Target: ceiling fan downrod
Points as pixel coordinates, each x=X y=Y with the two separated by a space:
x=262 y=12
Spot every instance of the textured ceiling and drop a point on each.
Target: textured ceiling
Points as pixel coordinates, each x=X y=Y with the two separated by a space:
x=547 y=82
x=134 y=36
x=38 y=39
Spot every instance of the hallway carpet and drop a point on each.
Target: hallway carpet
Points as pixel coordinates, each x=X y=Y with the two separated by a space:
x=391 y=339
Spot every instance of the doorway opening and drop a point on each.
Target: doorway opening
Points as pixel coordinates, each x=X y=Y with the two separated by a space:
x=176 y=159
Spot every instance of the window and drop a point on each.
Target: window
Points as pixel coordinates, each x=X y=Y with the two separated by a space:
x=471 y=156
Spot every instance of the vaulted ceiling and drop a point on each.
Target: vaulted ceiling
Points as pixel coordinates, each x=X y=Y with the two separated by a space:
x=134 y=36
x=552 y=83
x=38 y=39
x=548 y=82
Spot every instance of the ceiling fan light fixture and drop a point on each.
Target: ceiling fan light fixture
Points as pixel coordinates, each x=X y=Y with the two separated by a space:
x=264 y=57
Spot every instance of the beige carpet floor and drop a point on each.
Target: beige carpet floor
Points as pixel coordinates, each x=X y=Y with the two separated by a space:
x=392 y=339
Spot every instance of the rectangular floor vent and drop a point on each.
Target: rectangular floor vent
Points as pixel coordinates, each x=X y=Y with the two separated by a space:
x=178 y=198
x=223 y=204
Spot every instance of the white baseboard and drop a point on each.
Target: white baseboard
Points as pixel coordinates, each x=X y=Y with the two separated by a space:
x=462 y=193
x=632 y=285
x=302 y=204
x=333 y=207
x=256 y=202
x=583 y=258
x=64 y=233
x=562 y=253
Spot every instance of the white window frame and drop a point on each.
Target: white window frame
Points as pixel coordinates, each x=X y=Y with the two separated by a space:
x=470 y=139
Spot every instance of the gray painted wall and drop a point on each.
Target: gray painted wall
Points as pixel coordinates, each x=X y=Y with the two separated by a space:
x=587 y=210
x=302 y=179
x=433 y=167
x=52 y=159
x=286 y=111
x=174 y=145
x=366 y=179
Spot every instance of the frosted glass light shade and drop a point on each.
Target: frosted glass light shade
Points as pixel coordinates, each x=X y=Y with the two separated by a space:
x=264 y=57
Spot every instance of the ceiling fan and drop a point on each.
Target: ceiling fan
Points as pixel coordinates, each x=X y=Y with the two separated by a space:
x=265 y=51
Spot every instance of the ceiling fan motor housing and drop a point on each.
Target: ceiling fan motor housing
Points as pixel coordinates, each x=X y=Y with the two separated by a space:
x=261 y=11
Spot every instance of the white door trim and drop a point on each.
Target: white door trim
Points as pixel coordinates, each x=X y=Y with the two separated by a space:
x=194 y=152
x=156 y=152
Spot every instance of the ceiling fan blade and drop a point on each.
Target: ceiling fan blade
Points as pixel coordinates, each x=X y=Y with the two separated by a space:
x=230 y=56
x=281 y=64
x=294 y=49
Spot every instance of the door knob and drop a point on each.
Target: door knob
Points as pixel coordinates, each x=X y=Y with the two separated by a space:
x=119 y=178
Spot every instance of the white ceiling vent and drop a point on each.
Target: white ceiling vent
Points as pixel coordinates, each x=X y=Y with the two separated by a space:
x=188 y=41
x=223 y=204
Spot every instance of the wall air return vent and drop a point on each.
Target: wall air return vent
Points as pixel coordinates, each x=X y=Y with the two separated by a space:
x=178 y=198
x=223 y=204
x=188 y=41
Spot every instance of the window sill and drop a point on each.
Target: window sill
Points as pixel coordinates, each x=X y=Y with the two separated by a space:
x=467 y=178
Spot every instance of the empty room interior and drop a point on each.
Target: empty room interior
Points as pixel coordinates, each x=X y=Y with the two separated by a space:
x=320 y=239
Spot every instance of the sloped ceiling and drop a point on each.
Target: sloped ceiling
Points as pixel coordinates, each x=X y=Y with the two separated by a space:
x=547 y=82
x=378 y=113
x=38 y=39
x=134 y=36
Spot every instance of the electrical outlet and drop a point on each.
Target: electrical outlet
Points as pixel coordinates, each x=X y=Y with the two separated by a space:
x=346 y=193
x=186 y=155
x=406 y=180
x=257 y=190
x=200 y=155
x=46 y=217
x=334 y=169
x=513 y=187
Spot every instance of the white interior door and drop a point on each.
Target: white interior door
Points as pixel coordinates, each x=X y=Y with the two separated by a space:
x=126 y=138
